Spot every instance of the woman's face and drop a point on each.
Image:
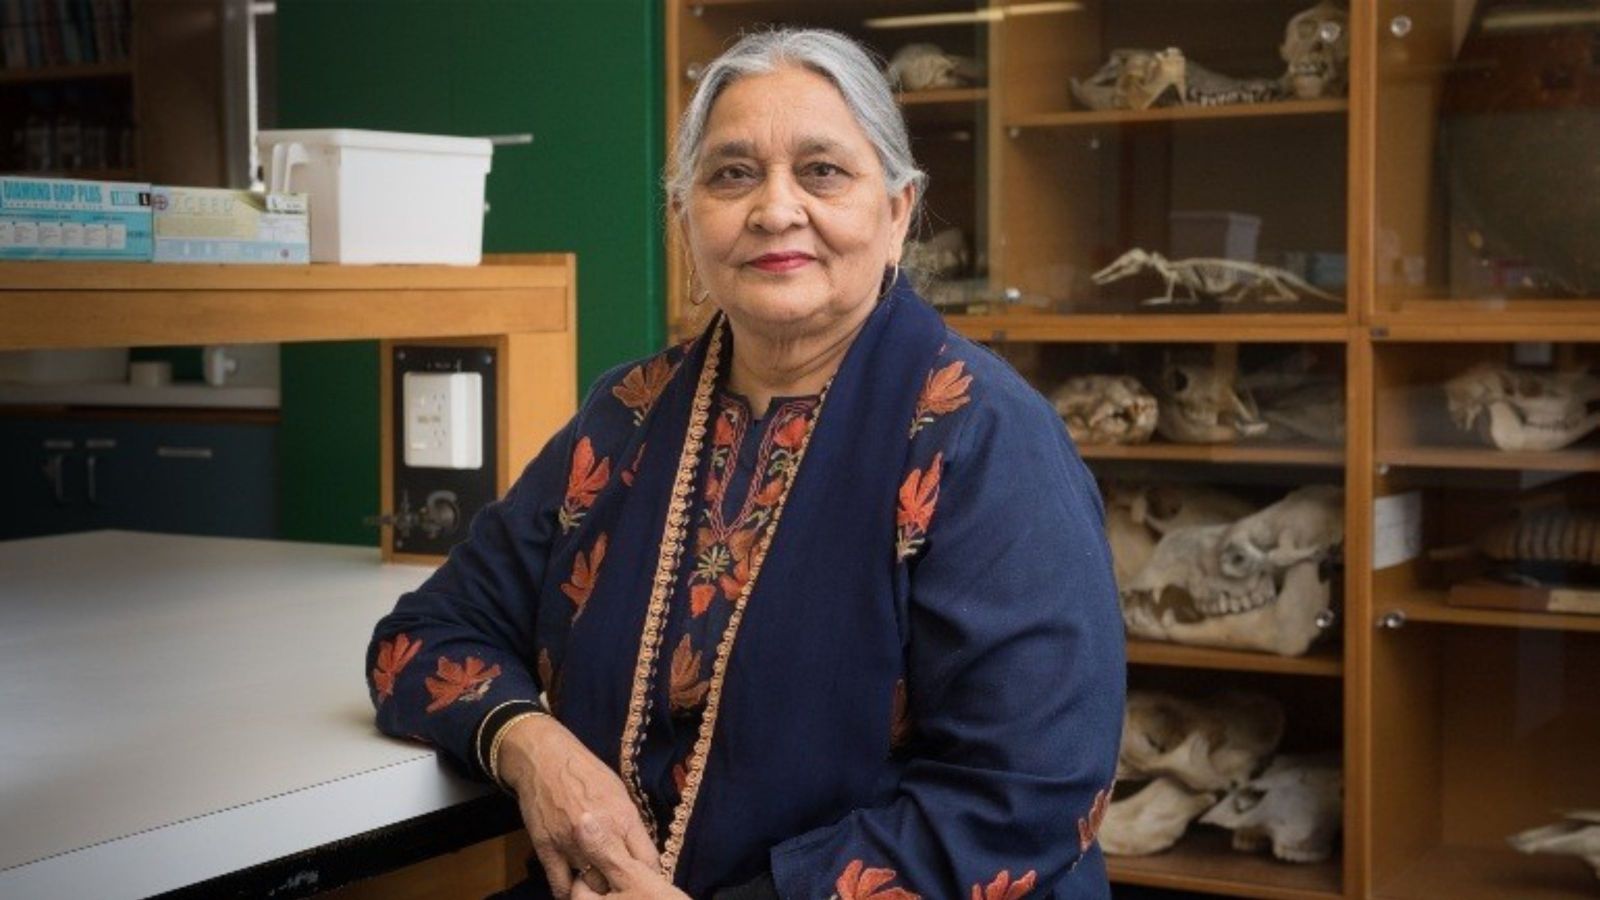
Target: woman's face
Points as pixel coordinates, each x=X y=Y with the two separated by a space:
x=789 y=222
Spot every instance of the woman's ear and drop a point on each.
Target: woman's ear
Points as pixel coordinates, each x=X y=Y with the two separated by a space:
x=901 y=203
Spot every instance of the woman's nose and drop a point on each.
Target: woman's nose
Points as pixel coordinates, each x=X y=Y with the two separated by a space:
x=778 y=207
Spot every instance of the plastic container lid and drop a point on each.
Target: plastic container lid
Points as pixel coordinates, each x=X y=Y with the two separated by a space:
x=379 y=140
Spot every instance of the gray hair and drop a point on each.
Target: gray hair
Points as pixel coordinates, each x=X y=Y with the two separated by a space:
x=828 y=53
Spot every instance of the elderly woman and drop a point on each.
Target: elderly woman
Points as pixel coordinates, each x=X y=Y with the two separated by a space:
x=817 y=605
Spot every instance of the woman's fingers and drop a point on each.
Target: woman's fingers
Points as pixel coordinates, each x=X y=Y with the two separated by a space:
x=637 y=840
x=582 y=891
x=556 y=870
x=600 y=842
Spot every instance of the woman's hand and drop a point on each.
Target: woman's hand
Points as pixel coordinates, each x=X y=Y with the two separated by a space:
x=626 y=876
x=559 y=783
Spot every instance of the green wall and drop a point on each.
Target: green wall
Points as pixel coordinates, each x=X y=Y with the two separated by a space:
x=584 y=77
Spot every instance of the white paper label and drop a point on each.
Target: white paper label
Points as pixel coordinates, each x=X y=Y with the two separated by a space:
x=1396 y=529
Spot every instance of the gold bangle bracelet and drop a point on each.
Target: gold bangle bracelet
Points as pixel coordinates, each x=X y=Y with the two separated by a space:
x=494 y=746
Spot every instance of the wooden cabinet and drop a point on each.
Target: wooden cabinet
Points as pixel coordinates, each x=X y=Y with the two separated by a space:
x=1429 y=217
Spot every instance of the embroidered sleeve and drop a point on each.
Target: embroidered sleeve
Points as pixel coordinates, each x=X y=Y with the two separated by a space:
x=1014 y=679
x=461 y=645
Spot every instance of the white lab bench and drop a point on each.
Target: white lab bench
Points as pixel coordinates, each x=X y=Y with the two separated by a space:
x=174 y=709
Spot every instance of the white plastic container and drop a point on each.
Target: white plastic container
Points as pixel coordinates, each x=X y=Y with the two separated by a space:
x=99 y=366
x=384 y=197
x=1216 y=234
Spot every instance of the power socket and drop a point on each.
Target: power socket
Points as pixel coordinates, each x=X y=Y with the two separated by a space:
x=443 y=420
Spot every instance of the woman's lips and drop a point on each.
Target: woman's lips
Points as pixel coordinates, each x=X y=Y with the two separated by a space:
x=781 y=262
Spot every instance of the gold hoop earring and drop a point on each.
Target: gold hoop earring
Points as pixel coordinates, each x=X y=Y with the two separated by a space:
x=891 y=279
x=695 y=299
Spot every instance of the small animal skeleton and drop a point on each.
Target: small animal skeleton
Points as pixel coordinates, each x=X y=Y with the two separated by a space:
x=1255 y=584
x=1203 y=404
x=1223 y=280
x=1106 y=409
x=1142 y=79
x=1542 y=546
x=1295 y=806
x=1520 y=409
x=921 y=67
x=1578 y=836
x=1316 y=47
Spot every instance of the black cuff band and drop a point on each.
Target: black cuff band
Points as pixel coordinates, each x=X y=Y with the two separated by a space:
x=491 y=725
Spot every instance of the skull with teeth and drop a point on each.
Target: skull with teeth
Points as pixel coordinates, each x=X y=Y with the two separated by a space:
x=1295 y=806
x=1316 y=46
x=1138 y=515
x=1517 y=409
x=1135 y=79
x=1255 y=584
x=1201 y=404
x=1106 y=409
x=1212 y=745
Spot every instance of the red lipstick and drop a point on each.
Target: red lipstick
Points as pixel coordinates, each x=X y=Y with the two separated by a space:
x=781 y=262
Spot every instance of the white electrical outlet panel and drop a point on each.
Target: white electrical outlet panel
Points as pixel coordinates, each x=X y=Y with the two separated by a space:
x=444 y=420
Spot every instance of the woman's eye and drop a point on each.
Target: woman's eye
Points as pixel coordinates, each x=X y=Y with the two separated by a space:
x=824 y=170
x=730 y=175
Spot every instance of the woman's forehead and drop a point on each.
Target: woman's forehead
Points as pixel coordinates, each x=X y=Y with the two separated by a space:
x=791 y=110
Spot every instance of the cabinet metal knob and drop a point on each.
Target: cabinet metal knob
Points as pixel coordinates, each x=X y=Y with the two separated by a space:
x=1393 y=620
x=694 y=70
x=1400 y=26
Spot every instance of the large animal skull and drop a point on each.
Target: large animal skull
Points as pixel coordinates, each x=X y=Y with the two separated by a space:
x=1135 y=79
x=1295 y=805
x=1106 y=409
x=1578 y=836
x=1200 y=404
x=1253 y=585
x=1212 y=745
x=1137 y=517
x=1316 y=45
x=1515 y=409
x=921 y=67
x=1153 y=819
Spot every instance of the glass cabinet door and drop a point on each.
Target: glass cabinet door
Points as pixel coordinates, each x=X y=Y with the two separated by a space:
x=1486 y=594
x=1487 y=116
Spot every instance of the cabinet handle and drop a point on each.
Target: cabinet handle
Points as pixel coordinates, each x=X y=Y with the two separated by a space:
x=52 y=473
x=184 y=452
x=90 y=467
x=1393 y=620
x=1400 y=26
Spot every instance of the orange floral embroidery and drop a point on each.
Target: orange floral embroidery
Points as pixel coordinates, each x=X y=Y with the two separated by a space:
x=944 y=392
x=918 y=496
x=1003 y=888
x=547 y=672
x=857 y=882
x=588 y=476
x=643 y=385
x=464 y=682
x=688 y=688
x=632 y=471
x=585 y=569
x=700 y=597
x=392 y=657
x=899 y=717
x=1090 y=826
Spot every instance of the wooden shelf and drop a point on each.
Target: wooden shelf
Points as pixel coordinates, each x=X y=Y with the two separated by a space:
x=1161 y=328
x=1080 y=118
x=1586 y=459
x=1205 y=862
x=86 y=304
x=940 y=96
x=1532 y=320
x=1488 y=873
x=1428 y=605
x=1321 y=662
x=1267 y=455
x=120 y=69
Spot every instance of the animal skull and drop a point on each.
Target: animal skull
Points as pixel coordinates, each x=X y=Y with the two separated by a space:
x=921 y=67
x=1153 y=819
x=1517 y=409
x=1578 y=836
x=1212 y=745
x=1106 y=409
x=1137 y=517
x=1295 y=805
x=1316 y=46
x=1136 y=79
x=1253 y=585
x=1200 y=404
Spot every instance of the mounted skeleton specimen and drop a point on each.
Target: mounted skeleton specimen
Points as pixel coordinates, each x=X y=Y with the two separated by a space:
x=923 y=67
x=1190 y=752
x=1521 y=409
x=1578 y=836
x=1295 y=806
x=1106 y=409
x=1222 y=280
x=1255 y=584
